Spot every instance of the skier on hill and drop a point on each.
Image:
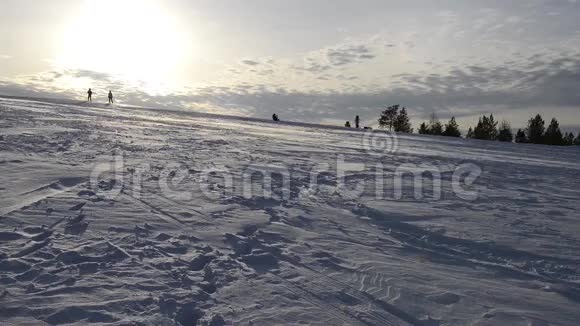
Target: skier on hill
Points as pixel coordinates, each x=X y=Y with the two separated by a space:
x=110 y=97
x=90 y=95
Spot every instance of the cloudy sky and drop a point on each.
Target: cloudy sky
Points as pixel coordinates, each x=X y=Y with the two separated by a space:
x=307 y=60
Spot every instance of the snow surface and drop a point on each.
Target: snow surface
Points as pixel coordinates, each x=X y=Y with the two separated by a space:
x=110 y=215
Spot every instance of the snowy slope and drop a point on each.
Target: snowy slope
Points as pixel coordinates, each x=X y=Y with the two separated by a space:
x=130 y=216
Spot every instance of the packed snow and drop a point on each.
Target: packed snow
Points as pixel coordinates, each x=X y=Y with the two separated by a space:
x=134 y=216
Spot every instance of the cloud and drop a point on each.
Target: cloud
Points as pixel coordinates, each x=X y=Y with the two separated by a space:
x=54 y=75
x=335 y=57
x=250 y=62
x=462 y=91
x=535 y=81
x=312 y=66
x=80 y=73
x=348 y=54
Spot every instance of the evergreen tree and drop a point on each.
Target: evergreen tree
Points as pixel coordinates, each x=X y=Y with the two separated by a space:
x=436 y=129
x=553 y=135
x=423 y=129
x=492 y=128
x=521 y=136
x=469 y=133
x=452 y=129
x=535 y=130
x=347 y=124
x=577 y=140
x=435 y=126
x=402 y=123
x=388 y=117
x=505 y=132
x=486 y=128
x=478 y=132
x=569 y=139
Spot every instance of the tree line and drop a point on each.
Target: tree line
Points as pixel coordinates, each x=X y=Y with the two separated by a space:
x=395 y=118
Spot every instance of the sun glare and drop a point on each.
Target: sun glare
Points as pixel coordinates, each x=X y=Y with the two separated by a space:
x=137 y=39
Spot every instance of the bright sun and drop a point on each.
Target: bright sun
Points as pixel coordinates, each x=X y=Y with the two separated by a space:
x=137 y=39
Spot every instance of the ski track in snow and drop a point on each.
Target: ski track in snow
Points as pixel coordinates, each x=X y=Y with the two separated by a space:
x=71 y=255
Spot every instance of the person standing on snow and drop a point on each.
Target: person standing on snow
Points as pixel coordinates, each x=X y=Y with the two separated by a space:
x=110 y=97
x=90 y=97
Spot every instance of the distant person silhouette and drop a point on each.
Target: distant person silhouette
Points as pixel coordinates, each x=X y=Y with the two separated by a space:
x=110 y=97
x=357 y=122
x=90 y=97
